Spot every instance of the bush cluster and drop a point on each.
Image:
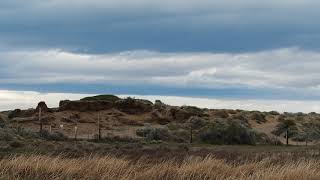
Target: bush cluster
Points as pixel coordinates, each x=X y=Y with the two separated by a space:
x=154 y=133
x=55 y=136
x=228 y=132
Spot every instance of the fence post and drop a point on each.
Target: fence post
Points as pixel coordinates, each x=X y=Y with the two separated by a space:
x=50 y=129
x=191 y=133
x=287 y=136
x=75 y=132
x=99 y=127
x=40 y=120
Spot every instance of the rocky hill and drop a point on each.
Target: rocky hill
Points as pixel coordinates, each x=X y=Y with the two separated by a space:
x=142 y=120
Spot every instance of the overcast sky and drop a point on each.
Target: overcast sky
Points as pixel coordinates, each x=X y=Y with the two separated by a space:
x=229 y=52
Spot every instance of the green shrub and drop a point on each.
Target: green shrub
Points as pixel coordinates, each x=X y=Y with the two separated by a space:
x=262 y=138
x=258 y=117
x=309 y=132
x=55 y=136
x=228 y=132
x=196 y=122
x=6 y=135
x=26 y=133
x=173 y=126
x=16 y=144
x=193 y=110
x=114 y=139
x=181 y=135
x=275 y=113
x=154 y=134
x=105 y=97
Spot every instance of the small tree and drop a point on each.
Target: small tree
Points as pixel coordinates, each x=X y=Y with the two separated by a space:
x=194 y=123
x=287 y=125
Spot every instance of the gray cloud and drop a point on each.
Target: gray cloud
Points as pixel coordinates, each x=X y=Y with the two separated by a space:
x=26 y=99
x=100 y=26
x=290 y=68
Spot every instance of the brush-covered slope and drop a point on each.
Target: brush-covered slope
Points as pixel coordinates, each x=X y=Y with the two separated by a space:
x=143 y=120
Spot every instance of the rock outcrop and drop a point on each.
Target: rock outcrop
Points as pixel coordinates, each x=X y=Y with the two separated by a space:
x=85 y=105
x=178 y=114
x=106 y=97
x=43 y=106
x=133 y=106
x=129 y=105
x=21 y=113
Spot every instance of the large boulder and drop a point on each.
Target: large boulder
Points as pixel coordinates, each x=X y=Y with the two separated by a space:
x=85 y=105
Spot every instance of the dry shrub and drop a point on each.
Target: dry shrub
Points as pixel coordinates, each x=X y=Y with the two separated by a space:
x=45 y=167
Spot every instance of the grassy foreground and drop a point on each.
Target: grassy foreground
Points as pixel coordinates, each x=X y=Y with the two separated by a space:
x=107 y=167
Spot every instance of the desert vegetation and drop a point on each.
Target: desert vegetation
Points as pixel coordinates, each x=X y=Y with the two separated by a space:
x=108 y=167
x=108 y=116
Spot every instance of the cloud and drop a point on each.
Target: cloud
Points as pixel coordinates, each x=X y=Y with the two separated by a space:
x=100 y=26
x=290 y=69
x=260 y=105
x=29 y=99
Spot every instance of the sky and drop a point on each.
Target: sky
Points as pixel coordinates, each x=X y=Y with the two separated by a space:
x=242 y=54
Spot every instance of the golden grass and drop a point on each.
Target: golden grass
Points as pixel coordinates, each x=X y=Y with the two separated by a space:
x=45 y=167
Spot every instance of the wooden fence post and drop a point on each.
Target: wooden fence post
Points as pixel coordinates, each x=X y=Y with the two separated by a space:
x=50 y=129
x=99 y=127
x=287 y=136
x=40 y=120
x=75 y=132
x=191 y=134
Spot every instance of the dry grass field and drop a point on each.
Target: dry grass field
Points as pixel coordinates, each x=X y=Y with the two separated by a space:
x=108 y=167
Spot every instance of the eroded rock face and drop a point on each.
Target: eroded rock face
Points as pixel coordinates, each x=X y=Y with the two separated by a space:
x=159 y=117
x=178 y=114
x=133 y=106
x=129 y=106
x=105 y=97
x=84 y=105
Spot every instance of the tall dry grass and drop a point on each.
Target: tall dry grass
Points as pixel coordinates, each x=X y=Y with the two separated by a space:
x=45 y=167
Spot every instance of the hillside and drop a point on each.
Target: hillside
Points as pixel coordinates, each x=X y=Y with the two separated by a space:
x=141 y=120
